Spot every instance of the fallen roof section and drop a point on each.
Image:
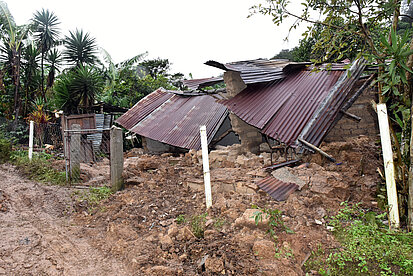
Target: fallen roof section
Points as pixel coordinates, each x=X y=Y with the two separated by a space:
x=174 y=119
x=252 y=71
x=302 y=105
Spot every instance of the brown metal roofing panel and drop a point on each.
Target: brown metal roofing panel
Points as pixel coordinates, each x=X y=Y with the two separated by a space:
x=199 y=83
x=177 y=121
x=325 y=116
x=288 y=123
x=277 y=189
x=281 y=109
x=143 y=108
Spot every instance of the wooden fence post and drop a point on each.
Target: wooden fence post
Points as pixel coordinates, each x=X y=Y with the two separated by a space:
x=116 y=158
x=75 y=155
x=205 y=163
x=388 y=165
x=31 y=137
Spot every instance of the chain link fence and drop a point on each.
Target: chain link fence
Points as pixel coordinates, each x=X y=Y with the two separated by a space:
x=87 y=154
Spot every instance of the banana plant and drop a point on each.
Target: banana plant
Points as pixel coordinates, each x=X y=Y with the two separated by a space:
x=13 y=37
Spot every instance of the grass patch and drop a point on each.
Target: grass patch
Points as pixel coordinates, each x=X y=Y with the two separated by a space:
x=367 y=247
x=198 y=225
x=39 y=168
x=92 y=197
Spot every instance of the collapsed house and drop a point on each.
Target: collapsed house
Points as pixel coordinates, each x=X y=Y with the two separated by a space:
x=288 y=105
x=169 y=121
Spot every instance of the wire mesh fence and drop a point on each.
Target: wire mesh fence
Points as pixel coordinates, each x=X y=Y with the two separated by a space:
x=86 y=152
x=48 y=135
x=85 y=146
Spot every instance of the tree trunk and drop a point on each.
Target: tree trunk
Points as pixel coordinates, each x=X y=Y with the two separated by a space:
x=43 y=92
x=409 y=93
x=16 y=77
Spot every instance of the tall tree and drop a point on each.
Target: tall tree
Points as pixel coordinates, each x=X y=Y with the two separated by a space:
x=80 y=48
x=12 y=39
x=47 y=33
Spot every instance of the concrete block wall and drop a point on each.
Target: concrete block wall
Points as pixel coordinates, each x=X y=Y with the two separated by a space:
x=348 y=128
x=250 y=136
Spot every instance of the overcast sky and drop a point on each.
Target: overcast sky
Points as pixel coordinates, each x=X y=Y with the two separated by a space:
x=187 y=32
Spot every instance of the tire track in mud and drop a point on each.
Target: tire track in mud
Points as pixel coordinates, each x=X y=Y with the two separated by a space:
x=39 y=238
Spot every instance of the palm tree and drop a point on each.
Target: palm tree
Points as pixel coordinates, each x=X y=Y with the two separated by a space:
x=47 y=33
x=54 y=59
x=81 y=48
x=12 y=36
x=76 y=89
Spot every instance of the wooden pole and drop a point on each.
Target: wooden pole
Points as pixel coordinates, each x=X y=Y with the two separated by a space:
x=205 y=163
x=388 y=165
x=323 y=153
x=116 y=158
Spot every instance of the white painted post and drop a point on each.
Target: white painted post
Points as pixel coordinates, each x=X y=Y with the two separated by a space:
x=205 y=164
x=388 y=165
x=31 y=137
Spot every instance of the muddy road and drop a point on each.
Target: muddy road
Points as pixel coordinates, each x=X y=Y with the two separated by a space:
x=38 y=236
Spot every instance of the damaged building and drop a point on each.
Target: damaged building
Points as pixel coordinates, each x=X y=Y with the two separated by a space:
x=288 y=105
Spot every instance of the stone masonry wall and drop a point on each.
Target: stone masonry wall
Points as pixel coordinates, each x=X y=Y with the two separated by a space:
x=249 y=136
x=348 y=128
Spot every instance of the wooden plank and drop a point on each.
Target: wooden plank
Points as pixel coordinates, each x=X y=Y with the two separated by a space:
x=388 y=165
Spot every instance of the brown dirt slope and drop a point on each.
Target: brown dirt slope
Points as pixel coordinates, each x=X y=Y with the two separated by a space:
x=37 y=236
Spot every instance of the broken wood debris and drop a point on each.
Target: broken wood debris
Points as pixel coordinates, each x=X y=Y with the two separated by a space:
x=311 y=146
x=351 y=116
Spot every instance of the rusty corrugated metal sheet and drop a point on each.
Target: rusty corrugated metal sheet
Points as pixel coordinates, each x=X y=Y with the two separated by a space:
x=324 y=118
x=277 y=189
x=176 y=120
x=200 y=83
x=283 y=109
x=143 y=108
x=252 y=71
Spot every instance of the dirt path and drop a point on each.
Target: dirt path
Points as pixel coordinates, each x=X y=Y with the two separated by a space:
x=37 y=235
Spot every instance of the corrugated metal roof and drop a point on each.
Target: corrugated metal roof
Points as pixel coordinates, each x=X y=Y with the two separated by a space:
x=174 y=119
x=282 y=109
x=277 y=189
x=200 y=83
x=143 y=108
x=252 y=71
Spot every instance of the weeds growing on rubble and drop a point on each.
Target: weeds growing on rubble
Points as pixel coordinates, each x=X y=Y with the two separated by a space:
x=93 y=196
x=367 y=247
x=39 y=168
x=274 y=220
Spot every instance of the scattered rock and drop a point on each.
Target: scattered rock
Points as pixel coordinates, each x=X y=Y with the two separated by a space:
x=248 y=220
x=264 y=249
x=214 y=265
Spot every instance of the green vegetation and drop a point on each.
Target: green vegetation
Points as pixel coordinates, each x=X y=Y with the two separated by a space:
x=275 y=221
x=5 y=150
x=67 y=71
x=180 y=219
x=198 y=225
x=367 y=246
x=39 y=168
x=93 y=197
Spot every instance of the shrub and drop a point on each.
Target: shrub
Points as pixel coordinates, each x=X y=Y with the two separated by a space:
x=39 y=168
x=367 y=246
x=5 y=150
